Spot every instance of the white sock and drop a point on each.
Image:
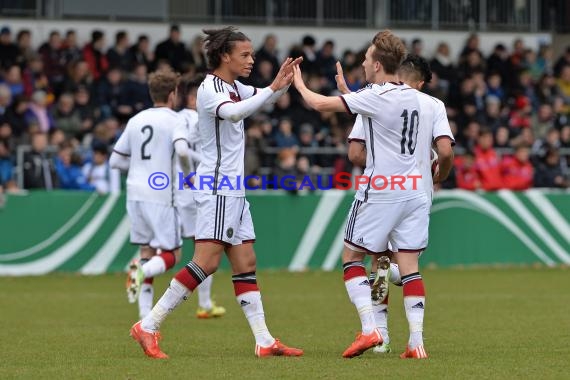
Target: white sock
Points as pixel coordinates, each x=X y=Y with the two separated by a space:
x=414 y=306
x=205 y=293
x=252 y=307
x=154 y=267
x=395 y=277
x=174 y=295
x=358 y=290
x=145 y=299
x=381 y=318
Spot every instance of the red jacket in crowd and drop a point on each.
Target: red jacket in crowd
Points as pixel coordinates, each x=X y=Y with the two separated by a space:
x=517 y=175
x=489 y=168
x=96 y=61
x=466 y=176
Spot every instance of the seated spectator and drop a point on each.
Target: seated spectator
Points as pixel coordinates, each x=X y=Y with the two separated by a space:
x=284 y=138
x=502 y=138
x=287 y=166
x=521 y=116
x=70 y=48
x=38 y=112
x=549 y=173
x=100 y=175
x=111 y=95
x=487 y=163
x=466 y=174
x=135 y=93
x=13 y=79
x=16 y=116
x=67 y=118
x=88 y=113
x=5 y=98
x=517 y=170
x=6 y=165
x=39 y=173
x=35 y=78
x=68 y=169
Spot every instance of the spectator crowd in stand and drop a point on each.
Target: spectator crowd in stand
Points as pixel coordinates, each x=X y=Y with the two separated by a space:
x=68 y=103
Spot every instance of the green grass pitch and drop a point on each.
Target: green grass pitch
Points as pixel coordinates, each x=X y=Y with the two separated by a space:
x=480 y=323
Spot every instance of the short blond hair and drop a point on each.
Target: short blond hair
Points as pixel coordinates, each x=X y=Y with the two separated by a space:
x=389 y=50
x=161 y=83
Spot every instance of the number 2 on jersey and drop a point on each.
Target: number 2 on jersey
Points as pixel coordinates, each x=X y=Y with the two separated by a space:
x=414 y=119
x=148 y=128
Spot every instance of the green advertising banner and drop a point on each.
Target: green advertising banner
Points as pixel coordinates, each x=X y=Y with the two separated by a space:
x=44 y=232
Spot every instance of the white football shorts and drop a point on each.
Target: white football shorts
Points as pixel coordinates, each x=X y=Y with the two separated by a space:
x=371 y=227
x=154 y=224
x=223 y=219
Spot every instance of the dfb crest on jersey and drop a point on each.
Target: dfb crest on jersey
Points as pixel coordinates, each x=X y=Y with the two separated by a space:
x=234 y=96
x=230 y=232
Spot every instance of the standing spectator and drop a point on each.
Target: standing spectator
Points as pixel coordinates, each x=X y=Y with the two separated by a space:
x=54 y=60
x=140 y=53
x=517 y=170
x=8 y=49
x=99 y=174
x=70 y=48
x=24 y=44
x=172 y=49
x=94 y=56
x=196 y=57
x=442 y=66
x=118 y=55
x=39 y=173
x=487 y=163
x=326 y=61
x=498 y=62
x=268 y=52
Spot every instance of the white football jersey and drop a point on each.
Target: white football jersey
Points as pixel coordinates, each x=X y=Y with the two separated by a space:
x=390 y=114
x=433 y=124
x=222 y=141
x=190 y=117
x=148 y=140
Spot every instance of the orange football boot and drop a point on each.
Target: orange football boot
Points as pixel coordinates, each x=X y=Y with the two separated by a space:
x=363 y=343
x=148 y=341
x=417 y=353
x=277 y=349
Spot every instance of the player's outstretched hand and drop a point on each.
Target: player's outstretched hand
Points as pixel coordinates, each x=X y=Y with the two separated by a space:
x=340 y=82
x=298 y=78
x=285 y=75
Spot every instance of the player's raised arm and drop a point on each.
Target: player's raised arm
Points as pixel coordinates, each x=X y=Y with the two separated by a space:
x=240 y=110
x=318 y=102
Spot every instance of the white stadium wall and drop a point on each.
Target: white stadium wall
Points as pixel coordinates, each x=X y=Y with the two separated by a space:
x=345 y=38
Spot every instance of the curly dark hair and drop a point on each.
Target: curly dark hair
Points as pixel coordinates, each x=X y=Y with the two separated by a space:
x=414 y=64
x=221 y=41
